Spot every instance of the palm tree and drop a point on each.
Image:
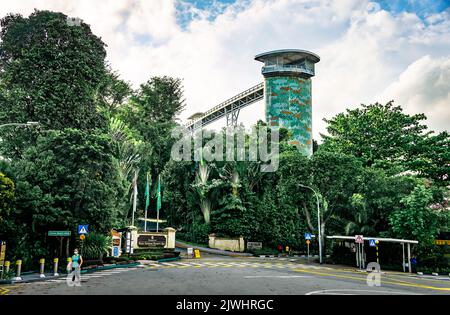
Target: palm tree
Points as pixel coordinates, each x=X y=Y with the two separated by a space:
x=361 y=221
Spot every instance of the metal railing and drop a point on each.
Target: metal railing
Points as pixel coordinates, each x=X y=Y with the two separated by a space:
x=227 y=102
x=296 y=68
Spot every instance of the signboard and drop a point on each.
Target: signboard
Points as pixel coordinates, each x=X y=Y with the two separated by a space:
x=359 y=239
x=151 y=241
x=372 y=243
x=115 y=251
x=59 y=233
x=2 y=252
x=83 y=229
x=254 y=245
x=128 y=242
x=442 y=242
x=197 y=253
x=307 y=236
x=190 y=251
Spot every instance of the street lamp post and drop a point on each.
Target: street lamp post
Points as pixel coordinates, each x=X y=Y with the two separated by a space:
x=27 y=124
x=318 y=220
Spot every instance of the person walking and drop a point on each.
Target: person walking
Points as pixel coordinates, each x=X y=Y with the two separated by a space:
x=414 y=264
x=77 y=261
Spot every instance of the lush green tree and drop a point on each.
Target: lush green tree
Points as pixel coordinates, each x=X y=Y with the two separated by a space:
x=160 y=99
x=152 y=113
x=50 y=71
x=430 y=158
x=69 y=178
x=112 y=95
x=416 y=219
x=362 y=220
x=7 y=188
x=376 y=134
x=336 y=177
x=178 y=195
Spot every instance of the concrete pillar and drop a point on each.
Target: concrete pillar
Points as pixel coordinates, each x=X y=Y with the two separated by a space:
x=212 y=240
x=170 y=240
x=409 y=258
x=241 y=244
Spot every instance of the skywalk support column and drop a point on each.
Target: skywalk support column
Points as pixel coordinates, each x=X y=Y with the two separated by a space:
x=288 y=98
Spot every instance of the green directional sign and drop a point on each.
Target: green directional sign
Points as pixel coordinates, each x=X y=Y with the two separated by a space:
x=59 y=233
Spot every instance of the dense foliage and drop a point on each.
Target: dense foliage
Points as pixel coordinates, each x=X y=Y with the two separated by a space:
x=7 y=188
x=95 y=246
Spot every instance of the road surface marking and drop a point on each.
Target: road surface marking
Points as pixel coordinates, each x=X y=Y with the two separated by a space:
x=281 y=277
x=339 y=292
x=400 y=283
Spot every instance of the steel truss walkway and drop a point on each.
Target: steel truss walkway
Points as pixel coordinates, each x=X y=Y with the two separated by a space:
x=229 y=109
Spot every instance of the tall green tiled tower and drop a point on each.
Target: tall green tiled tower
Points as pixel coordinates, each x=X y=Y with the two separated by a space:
x=287 y=75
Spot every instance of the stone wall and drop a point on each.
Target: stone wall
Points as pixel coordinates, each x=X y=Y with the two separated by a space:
x=231 y=244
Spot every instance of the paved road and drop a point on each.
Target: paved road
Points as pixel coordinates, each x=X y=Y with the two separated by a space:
x=235 y=276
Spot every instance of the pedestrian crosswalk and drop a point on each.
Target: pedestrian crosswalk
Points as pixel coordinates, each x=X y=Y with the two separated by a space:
x=230 y=264
x=98 y=274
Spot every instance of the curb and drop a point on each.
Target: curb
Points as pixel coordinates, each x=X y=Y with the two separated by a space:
x=169 y=259
x=65 y=275
x=275 y=256
x=213 y=250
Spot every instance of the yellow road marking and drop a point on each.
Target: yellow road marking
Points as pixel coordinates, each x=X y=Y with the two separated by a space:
x=401 y=283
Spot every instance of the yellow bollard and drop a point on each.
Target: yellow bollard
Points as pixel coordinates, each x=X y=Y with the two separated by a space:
x=7 y=265
x=69 y=265
x=18 y=270
x=42 y=268
x=55 y=267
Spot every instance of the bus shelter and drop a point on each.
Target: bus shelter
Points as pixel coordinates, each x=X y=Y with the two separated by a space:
x=360 y=260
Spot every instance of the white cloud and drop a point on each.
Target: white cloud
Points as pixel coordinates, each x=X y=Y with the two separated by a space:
x=424 y=87
x=367 y=54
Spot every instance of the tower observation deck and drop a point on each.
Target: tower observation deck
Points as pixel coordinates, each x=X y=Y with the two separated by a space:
x=287 y=93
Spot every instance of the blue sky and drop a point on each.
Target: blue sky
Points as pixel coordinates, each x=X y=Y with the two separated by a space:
x=420 y=7
x=212 y=8
x=216 y=7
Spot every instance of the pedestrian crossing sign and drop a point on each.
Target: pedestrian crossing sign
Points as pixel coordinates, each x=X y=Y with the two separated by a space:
x=372 y=243
x=83 y=229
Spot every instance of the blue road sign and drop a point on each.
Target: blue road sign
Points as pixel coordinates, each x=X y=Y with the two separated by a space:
x=307 y=236
x=372 y=243
x=116 y=251
x=83 y=229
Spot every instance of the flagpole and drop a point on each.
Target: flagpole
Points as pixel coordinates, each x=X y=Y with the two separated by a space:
x=159 y=204
x=146 y=208
x=134 y=196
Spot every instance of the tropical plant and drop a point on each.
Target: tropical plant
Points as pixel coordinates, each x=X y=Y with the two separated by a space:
x=7 y=188
x=95 y=246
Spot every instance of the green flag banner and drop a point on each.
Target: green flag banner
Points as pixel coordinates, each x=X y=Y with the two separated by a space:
x=158 y=202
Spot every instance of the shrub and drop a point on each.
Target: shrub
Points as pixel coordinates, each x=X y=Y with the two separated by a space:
x=342 y=255
x=263 y=251
x=198 y=233
x=95 y=246
x=109 y=259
